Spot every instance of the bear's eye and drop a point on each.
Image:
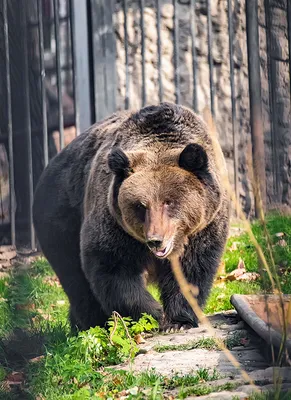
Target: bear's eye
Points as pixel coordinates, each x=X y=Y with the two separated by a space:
x=140 y=210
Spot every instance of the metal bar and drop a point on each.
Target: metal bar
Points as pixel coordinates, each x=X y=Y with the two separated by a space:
x=59 y=73
x=194 y=55
x=233 y=100
x=10 y=130
x=256 y=120
x=159 y=45
x=289 y=39
x=176 y=52
x=143 y=72
x=28 y=125
x=272 y=97
x=42 y=80
x=126 y=55
x=210 y=58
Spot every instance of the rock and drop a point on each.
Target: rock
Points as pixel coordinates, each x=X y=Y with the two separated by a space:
x=268 y=374
x=225 y=395
x=183 y=361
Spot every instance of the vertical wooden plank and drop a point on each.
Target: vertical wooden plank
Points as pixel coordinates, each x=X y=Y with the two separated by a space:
x=81 y=64
x=256 y=118
x=28 y=124
x=210 y=57
x=9 y=123
x=176 y=53
x=104 y=54
x=233 y=98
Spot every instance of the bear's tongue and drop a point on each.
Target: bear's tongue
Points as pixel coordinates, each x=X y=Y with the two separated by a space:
x=163 y=252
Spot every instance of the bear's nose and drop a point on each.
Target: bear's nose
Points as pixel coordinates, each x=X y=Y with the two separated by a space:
x=155 y=242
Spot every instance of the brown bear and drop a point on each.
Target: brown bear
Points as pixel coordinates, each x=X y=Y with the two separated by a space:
x=122 y=198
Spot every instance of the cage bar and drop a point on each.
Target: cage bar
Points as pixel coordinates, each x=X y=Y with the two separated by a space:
x=126 y=55
x=210 y=58
x=233 y=99
x=42 y=83
x=59 y=73
x=28 y=126
x=9 y=123
x=256 y=120
x=193 y=49
x=176 y=52
x=143 y=72
x=159 y=46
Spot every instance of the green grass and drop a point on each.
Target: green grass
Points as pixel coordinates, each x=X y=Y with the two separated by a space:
x=276 y=224
x=219 y=299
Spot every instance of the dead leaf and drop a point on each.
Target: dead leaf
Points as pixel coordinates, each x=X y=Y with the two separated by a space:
x=233 y=247
x=16 y=378
x=221 y=269
x=276 y=291
x=101 y=395
x=52 y=281
x=4 y=249
x=61 y=302
x=36 y=359
x=248 y=276
x=241 y=264
x=279 y=234
x=133 y=391
x=5 y=264
x=282 y=243
x=47 y=317
x=239 y=271
x=7 y=255
x=139 y=339
x=26 y=307
x=220 y=282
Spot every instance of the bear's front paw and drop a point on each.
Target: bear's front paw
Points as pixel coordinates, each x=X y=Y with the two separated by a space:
x=178 y=323
x=174 y=328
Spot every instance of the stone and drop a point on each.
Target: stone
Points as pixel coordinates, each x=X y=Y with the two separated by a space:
x=224 y=395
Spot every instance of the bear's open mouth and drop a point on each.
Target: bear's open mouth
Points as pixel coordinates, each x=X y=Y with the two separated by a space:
x=164 y=252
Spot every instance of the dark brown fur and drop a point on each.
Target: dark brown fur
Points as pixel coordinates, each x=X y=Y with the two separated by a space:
x=125 y=191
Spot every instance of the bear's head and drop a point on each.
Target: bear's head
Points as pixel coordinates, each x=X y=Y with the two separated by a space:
x=161 y=197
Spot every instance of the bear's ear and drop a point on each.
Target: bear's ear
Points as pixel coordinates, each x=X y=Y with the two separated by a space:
x=194 y=159
x=119 y=163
